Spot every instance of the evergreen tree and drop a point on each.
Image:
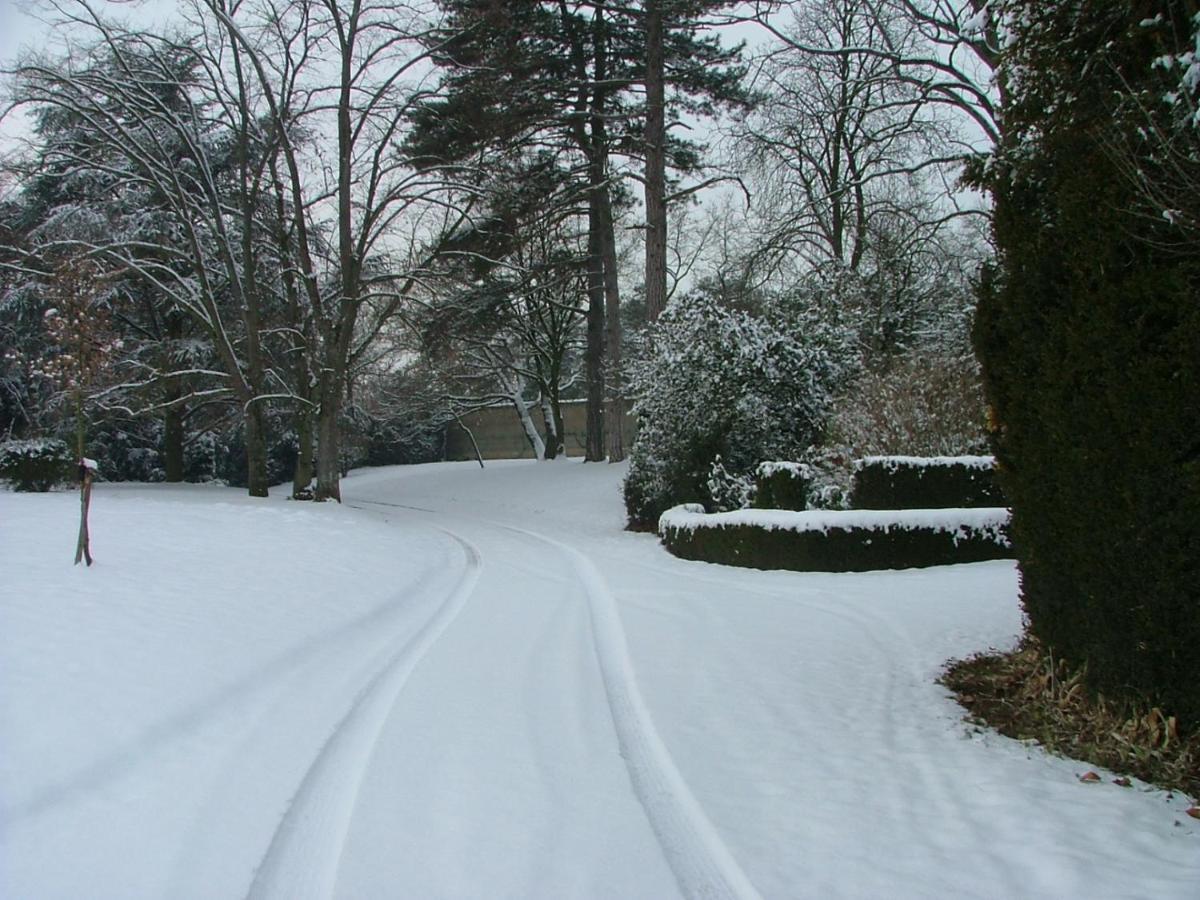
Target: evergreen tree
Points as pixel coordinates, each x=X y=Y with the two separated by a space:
x=567 y=77
x=1089 y=337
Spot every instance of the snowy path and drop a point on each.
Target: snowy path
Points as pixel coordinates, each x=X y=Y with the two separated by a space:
x=470 y=683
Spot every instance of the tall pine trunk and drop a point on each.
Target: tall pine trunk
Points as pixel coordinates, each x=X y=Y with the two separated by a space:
x=656 y=178
x=614 y=407
x=594 y=354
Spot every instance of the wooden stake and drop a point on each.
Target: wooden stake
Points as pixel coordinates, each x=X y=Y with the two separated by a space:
x=82 y=548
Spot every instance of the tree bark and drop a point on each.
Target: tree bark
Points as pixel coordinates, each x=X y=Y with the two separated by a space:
x=329 y=438
x=173 y=432
x=254 y=431
x=303 y=475
x=656 y=177
x=83 y=549
x=594 y=362
x=553 y=439
x=614 y=404
x=531 y=432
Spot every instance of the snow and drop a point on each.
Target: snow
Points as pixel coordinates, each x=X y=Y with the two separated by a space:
x=925 y=462
x=468 y=682
x=773 y=467
x=979 y=520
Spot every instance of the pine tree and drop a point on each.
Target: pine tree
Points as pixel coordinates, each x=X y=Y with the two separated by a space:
x=567 y=77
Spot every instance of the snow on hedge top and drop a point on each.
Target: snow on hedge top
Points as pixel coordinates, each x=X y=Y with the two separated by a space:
x=795 y=469
x=925 y=462
x=985 y=520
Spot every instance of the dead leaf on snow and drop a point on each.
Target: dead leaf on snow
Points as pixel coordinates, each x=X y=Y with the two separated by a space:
x=1089 y=778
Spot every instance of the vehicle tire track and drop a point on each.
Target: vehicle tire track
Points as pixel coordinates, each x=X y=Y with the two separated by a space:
x=702 y=864
x=303 y=856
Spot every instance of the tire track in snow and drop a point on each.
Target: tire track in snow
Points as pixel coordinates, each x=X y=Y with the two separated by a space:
x=702 y=864
x=302 y=859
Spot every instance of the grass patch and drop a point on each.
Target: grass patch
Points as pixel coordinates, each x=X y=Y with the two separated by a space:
x=1028 y=695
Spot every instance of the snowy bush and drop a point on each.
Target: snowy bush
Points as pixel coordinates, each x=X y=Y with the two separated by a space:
x=782 y=485
x=36 y=465
x=723 y=382
x=728 y=490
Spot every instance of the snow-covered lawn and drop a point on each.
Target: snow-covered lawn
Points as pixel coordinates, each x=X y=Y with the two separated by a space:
x=473 y=683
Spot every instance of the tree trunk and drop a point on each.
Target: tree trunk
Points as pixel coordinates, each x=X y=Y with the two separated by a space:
x=656 y=177
x=614 y=404
x=328 y=437
x=594 y=361
x=254 y=430
x=553 y=439
x=303 y=475
x=172 y=451
x=531 y=432
x=173 y=431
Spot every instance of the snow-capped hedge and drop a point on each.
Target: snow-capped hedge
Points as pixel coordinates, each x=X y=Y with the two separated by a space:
x=920 y=482
x=782 y=485
x=836 y=540
x=36 y=465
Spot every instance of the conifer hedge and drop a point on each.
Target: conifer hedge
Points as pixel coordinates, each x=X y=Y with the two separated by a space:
x=914 y=482
x=1089 y=339
x=836 y=541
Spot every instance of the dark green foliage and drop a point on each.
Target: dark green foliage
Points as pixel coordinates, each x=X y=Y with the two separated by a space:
x=782 y=486
x=899 y=482
x=847 y=549
x=1089 y=337
x=36 y=465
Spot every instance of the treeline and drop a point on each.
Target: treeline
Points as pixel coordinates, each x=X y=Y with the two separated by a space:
x=307 y=235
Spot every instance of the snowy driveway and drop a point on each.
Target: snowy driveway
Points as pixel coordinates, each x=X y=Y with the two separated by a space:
x=472 y=683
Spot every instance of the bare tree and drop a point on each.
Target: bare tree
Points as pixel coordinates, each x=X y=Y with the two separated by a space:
x=349 y=73
x=157 y=107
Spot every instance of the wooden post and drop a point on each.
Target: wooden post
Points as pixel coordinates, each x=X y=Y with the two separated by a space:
x=87 y=469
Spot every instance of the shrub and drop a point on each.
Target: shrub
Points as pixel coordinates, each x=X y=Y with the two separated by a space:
x=925 y=403
x=723 y=382
x=914 y=482
x=36 y=465
x=782 y=485
x=728 y=490
x=836 y=541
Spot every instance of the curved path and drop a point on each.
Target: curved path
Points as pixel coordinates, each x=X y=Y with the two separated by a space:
x=761 y=732
x=520 y=756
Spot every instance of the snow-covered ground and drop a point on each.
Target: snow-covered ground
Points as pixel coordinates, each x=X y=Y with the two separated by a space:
x=473 y=683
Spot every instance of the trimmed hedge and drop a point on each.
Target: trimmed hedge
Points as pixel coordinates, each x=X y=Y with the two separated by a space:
x=782 y=485
x=836 y=541
x=1089 y=340
x=37 y=465
x=917 y=482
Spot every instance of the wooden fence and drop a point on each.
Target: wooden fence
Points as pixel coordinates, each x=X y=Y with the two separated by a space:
x=498 y=432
